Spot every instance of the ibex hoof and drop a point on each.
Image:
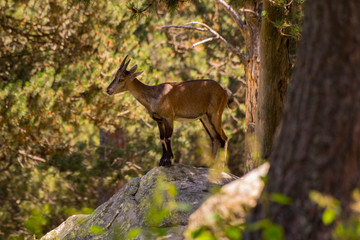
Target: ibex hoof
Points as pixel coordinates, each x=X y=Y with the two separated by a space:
x=165 y=162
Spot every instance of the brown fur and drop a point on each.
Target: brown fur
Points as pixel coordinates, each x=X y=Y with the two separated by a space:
x=177 y=101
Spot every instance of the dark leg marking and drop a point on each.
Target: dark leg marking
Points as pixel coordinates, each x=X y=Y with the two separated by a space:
x=165 y=138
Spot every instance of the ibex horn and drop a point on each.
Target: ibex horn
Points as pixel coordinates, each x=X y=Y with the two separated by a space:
x=126 y=64
x=123 y=63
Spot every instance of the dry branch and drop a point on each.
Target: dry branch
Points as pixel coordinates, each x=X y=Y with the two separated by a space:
x=33 y=157
x=216 y=35
x=242 y=26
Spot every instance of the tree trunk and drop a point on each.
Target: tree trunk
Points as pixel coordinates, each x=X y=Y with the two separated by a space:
x=252 y=68
x=252 y=76
x=274 y=77
x=318 y=147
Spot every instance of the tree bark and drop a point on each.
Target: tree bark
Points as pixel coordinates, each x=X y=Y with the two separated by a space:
x=252 y=68
x=252 y=76
x=319 y=144
x=274 y=77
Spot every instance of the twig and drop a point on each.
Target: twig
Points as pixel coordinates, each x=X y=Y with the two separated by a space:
x=186 y=27
x=113 y=219
x=233 y=14
x=205 y=40
x=206 y=28
x=249 y=11
x=146 y=123
x=286 y=5
x=33 y=157
x=242 y=81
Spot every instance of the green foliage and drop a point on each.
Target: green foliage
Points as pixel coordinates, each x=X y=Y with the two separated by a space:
x=331 y=206
x=163 y=207
x=36 y=222
x=134 y=233
x=202 y=234
x=56 y=59
x=273 y=232
x=163 y=202
x=344 y=228
x=96 y=230
x=233 y=233
x=328 y=216
x=289 y=21
x=280 y=198
x=270 y=230
x=264 y=14
x=220 y=228
x=348 y=229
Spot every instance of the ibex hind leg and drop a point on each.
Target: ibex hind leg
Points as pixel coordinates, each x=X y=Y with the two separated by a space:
x=220 y=140
x=217 y=137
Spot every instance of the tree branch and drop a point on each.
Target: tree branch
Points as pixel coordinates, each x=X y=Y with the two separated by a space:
x=233 y=14
x=249 y=11
x=206 y=28
x=205 y=40
x=22 y=152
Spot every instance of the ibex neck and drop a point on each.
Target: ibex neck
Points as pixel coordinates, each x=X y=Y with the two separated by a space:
x=141 y=92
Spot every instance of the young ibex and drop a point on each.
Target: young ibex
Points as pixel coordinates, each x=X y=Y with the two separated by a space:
x=191 y=100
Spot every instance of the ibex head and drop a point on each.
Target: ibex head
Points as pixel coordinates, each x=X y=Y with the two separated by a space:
x=122 y=77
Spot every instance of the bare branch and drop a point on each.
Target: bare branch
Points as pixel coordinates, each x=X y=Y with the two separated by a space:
x=146 y=123
x=286 y=5
x=205 y=40
x=186 y=27
x=112 y=220
x=206 y=28
x=233 y=14
x=249 y=11
x=22 y=152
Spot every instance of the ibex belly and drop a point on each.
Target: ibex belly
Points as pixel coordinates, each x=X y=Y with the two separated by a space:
x=182 y=119
x=189 y=112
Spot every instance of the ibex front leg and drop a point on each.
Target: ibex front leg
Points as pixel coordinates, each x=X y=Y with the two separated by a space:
x=166 y=130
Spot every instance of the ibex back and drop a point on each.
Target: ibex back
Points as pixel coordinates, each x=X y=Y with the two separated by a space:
x=177 y=101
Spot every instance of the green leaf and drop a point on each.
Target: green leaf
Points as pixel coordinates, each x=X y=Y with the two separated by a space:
x=36 y=221
x=87 y=210
x=264 y=14
x=70 y=211
x=281 y=199
x=233 y=233
x=96 y=230
x=172 y=190
x=328 y=216
x=202 y=234
x=134 y=233
x=273 y=232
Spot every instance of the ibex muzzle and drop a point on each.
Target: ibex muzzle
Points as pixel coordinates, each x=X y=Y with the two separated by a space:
x=176 y=101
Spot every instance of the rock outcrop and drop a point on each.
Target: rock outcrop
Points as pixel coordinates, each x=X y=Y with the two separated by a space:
x=157 y=204
x=230 y=206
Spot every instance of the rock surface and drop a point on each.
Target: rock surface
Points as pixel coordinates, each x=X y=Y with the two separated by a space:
x=230 y=206
x=159 y=203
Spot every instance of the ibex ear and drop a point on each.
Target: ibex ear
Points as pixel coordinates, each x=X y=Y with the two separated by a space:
x=133 y=69
x=134 y=75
